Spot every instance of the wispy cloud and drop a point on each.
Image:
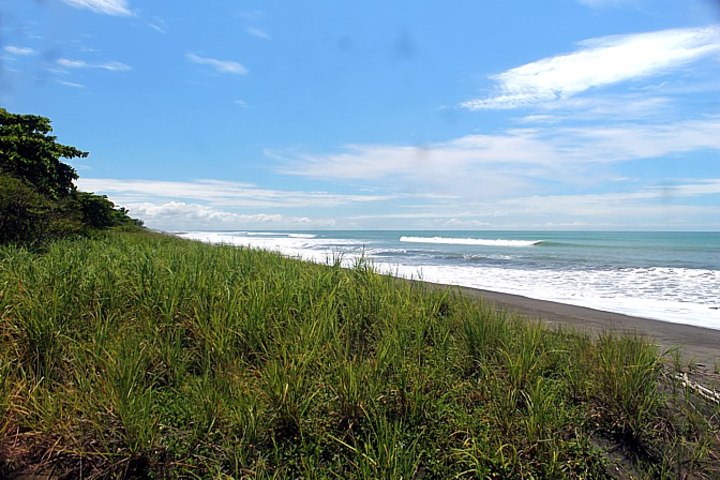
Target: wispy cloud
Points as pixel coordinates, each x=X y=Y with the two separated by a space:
x=19 y=51
x=648 y=205
x=222 y=66
x=219 y=193
x=629 y=107
x=107 y=7
x=111 y=66
x=114 y=66
x=665 y=207
x=252 y=15
x=606 y=3
x=71 y=84
x=598 y=203
x=431 y=161
x=599 y=62
x=531 y=153
x=256 y=32
x=209 y=203
x=66 y=62
x=158 y=24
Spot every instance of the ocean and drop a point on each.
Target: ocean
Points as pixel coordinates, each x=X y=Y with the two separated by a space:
x=669 y=276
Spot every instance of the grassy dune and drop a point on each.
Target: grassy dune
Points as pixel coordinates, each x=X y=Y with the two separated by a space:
x=137 y=355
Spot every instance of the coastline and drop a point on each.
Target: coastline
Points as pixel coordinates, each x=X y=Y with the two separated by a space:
x=701 y=345
x=698 y=344
x=674 y=279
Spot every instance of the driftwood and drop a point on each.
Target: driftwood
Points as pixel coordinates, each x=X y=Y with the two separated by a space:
x=704 y=392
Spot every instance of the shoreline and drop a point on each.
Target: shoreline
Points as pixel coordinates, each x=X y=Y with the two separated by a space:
x=697 y=344
x=683 y=296
x=700 y=344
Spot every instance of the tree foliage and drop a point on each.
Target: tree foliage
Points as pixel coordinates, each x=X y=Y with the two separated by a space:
x=24 y=213
x=27 y=151
x=38 y=199
x=97 y=211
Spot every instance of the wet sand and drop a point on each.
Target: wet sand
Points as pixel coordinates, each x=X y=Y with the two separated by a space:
x=701 y=345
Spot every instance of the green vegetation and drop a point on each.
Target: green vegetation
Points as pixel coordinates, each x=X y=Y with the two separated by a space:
x=38 y=200
x=133 y=355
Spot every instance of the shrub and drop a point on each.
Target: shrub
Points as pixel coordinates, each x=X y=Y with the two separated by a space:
x=24 y=213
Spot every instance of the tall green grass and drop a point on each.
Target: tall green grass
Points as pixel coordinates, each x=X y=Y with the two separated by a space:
x=136 y=355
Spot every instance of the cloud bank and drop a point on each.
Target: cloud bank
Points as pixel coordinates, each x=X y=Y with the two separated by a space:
x=172 y=215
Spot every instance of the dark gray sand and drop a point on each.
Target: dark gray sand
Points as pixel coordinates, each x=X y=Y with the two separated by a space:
x=700 y=345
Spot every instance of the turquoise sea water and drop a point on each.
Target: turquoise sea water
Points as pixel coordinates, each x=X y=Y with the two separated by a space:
x=671 y=276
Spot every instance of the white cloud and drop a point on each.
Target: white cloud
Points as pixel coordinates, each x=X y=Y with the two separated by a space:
x=158 y=24
x=222 y=66
x=66 y=62
x=19 y=51
x=598 y=63
x=176 y=215
x=603 y=107
x=71 y=84
x=601 y=203
x=615 y=143
x=256 y=32
x=157 y=28
x=492 y=160
x=190 y=211
x=213 y=205
x=219 y=193
x=241 y=103
x=658 y=207
x=107 y=7
x=114 y=66
x=222 y=204
x=111 y=66
x=509 y=159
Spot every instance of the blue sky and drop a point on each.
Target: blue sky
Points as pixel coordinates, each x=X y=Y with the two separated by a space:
x=249 y=114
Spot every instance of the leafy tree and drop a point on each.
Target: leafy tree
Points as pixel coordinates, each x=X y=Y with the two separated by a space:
x=38 y=199
x=29 y=152
x=99 y=212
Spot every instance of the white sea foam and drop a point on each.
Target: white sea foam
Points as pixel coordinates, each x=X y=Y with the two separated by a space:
x=274 y=234
x=319 y=250
x=677 y=295
x=262 y=234
x=472 y=241
x=384 y=251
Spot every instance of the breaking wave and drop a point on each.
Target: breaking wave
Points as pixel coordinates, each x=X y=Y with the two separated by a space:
x=472 y=241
